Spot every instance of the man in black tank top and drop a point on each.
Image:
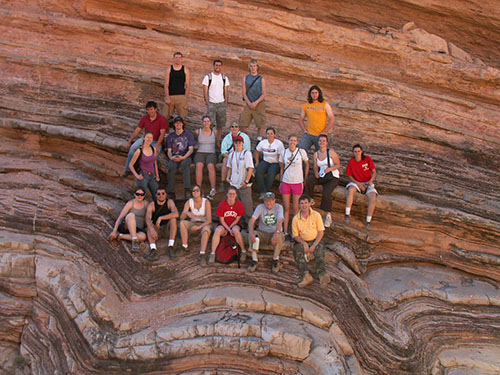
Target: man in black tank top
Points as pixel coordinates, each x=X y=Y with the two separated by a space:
x=177 y=87
x=160 y=213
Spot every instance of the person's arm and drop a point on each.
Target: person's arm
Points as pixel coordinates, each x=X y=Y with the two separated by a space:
x=174 y=214
x=185 y=211
x=316 y=241
x=125 y=210
x=336 y=162
x=167 y=82
x=374 y=175
x=235 y=222
x=160 y=139
x=133 y=136
x=282 y=169
x=208 y=214
x=149 y=215
x=188 y=153
x=205 y=89
x=315 y=165
x=187 y=84
x=169 y=153
x=263 y=95
x=131 y=165
x=257 y=158
x=301 y=120
x=249 y=175
x=306 y=162
x=244 y=92
x=226 y=92
x=251 y=229
x=157 y=175
x=331 y=118
x=224 y=224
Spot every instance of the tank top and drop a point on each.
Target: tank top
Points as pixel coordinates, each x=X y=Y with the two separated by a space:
x=206 y=144
x=199 y=215
x=147 y=163
x=139 y=213
x=316 y=117
x=160 y=211
x=255 y=91
x=324 y=163
x=177 y=81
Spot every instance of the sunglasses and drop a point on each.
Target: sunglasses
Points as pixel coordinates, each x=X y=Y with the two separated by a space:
x=140 y=194
x=161 y=193
x=196 y=190
x=234 y=126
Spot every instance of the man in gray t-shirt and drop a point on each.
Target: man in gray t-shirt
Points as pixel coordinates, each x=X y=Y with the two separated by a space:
x=270 y=217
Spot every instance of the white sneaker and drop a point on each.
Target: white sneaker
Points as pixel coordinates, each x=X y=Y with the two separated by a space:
x=328 y=221
x=212 y=193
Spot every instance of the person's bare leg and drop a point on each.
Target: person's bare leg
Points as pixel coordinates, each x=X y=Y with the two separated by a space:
x=205 y=235
x=172 y=227
x=239 y=238
x=216 y=238
x=350 y=197
x=211 y=175
x=199 y=173
x=372 y=199
x=295 y=205
x=224 y=169
x=286 y=204
x=131 y=225
x=184 y=233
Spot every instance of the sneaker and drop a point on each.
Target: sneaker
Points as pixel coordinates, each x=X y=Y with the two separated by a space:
x=135 y=246
x=171 y=252
x=185 y=249
x=126 y=174
x=243 y=256
x=211 y=258
x=152 y=254
x=222 y=187
x=212 y=193
x=276 y=266
x=346 y=219
x=306 y=280
x=367 y=225
x=259 y=138
x=203 y=260
x=328 y=221
x=324 y=279
x=253 y=266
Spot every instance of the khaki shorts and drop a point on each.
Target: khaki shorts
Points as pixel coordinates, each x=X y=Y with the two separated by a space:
x=188 y=224
x=178 y=103
x=265 y=239
x=258 y=114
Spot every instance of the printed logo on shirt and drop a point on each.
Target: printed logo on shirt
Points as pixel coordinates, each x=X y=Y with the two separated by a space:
x=230 y=214
x=365 y=167
x=270 y=219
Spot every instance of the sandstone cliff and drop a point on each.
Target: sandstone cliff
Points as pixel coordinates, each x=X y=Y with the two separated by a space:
x=417 y=83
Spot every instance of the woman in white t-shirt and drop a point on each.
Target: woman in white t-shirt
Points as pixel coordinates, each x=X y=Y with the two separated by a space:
x=271 y=149
x=292 y=177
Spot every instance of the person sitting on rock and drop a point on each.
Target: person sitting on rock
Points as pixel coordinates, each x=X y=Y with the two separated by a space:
x=180 y=146
x=199 y=212
x=229 y=212
x=161 y=216
x=153 y=122
x=147 y=177
x=270 y=232
x=267 y=169
x=205 y=156
x=362 y=173
x=130 y=223
x=307 y=231
x=227 y=146
x=240 y=169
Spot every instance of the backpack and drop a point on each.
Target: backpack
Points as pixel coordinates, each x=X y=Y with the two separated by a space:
x=137 y=164
x=227 y=251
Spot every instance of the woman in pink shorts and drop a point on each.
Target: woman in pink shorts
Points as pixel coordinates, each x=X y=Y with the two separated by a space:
x=292 y=177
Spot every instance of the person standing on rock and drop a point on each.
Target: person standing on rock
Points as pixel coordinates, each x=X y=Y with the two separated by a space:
x=307 y=231
x=320 y=118
x=177 y=81
x=180 y=146
x=147 y=176
x=270 y=232
x=130 y=223
x=216 y=96
x=362 y=173
x=161 y=216
x=254 y=95
x=227 y=146
x=152 y=121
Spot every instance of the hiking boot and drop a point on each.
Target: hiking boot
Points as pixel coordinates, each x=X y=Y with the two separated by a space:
x=306 y=280
x=276 y=266
x=135 y=246
x=324 y=279
x=203 y=260
x=346 y=219
x=171 y=252
x=212 y=193
x=152 y=254
x=328 y=221
x=367 y=225
x=243 y=256
x=253 y=266
x=211 y=258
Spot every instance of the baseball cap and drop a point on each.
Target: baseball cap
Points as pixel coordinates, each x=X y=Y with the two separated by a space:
x=238 y=138
x=178 y=118
x=269 y=195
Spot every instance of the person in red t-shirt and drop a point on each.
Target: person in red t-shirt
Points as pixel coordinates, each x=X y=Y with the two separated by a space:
x=362 y=173
x=153 y=122
x=230 y=212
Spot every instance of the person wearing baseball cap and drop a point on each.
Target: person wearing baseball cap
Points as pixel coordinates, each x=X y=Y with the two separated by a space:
x=227 y=146
x=269 y=232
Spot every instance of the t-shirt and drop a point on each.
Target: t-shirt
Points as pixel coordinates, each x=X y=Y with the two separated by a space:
x=239 y=162
x=316 y=117
x=160 y=122
x=271 y=151
x=360 y=170
x=308 y=228
x=294 y=173
x=230 y=213
x=180 y=143
x=216 y=89
x=268 y=218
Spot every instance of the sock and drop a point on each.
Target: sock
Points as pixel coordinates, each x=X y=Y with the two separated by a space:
x=152 y=246
x=185 y=245
x=254 y=256
x=348 y=211
x=368 y=219
x=202 y=252
x=170 y=242
x=328 y=215
x=277 y=258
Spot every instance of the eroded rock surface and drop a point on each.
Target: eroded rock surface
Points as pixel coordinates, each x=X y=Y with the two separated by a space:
x=416 y=83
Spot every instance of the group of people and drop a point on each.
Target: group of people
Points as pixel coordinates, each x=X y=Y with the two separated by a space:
x=140 y=220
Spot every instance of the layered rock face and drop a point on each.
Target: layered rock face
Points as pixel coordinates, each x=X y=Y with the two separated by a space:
x=416 y=83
